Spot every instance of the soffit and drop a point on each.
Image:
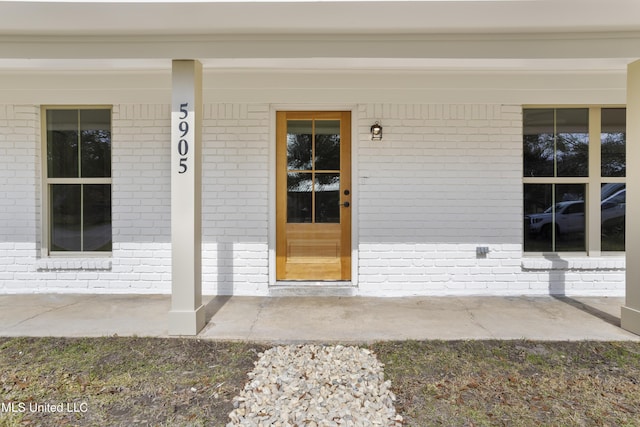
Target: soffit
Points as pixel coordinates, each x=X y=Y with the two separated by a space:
x=141 y=17
x=330 y=64
x=349 y=34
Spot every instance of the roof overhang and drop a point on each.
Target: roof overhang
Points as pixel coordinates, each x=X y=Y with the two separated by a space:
x=601 y=35
x=170 y=17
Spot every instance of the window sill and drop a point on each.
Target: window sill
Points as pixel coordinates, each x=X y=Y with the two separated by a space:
x=48 y=264
x=574 y=263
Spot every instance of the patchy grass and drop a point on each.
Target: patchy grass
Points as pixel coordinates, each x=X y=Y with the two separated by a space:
x=121 y=381
x=188 y=382
x=514 y=383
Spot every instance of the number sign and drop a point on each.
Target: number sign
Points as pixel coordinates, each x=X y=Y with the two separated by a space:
x=183 y=143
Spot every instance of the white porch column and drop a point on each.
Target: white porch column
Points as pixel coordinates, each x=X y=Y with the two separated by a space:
x=187 y=312
x=631 y=309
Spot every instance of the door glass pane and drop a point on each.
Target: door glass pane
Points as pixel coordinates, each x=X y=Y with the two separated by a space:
x=613 y=211
x=572 y=141
x=613 y=141
x=538 y=142
x=65 y=217
x=570 y=218
x=96 y=231
x=327 y=194
x=538 y=218
x=62 y=143
x=299 y=197
x=299 y=144
x=95 y=134
x=327 y=154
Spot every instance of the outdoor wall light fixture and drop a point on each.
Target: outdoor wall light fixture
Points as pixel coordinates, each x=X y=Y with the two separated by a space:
x=376 y=132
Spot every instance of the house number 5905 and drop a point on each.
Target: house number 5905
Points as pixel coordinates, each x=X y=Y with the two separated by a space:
x=183 y=145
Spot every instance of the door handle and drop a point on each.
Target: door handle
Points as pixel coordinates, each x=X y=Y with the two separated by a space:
x=345 y=204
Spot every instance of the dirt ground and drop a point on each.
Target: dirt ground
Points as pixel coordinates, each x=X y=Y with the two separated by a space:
x=122 y=381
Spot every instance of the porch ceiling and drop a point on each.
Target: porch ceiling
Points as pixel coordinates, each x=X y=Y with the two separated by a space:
x=171 y=17
x=538 y=35
x=328 y=64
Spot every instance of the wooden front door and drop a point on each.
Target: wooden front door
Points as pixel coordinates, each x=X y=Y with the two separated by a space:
x=313 y=195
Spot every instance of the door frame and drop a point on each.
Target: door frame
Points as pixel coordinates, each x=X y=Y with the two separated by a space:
x=272 y=238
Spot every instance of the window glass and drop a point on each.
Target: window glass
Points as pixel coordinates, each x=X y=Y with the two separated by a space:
x=556 y=178
x=570 y=218
x=612 y=216
x=556 y=142
x=538 y=218
x=96 y=233
x=538 y=142
x=299 y=144
x=299 y=197
x=62 y=143
x=95 y=131
x=613 y=142
x=313 y=178
x=572 y=142
x=327 y=194
x=65 y=229
x=78 y=149
x=554 y=217
x=327 y=146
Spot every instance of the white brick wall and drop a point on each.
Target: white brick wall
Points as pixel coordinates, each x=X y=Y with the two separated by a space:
x=444 y=180
x=19 y=174
x=235 y=188
x=141 y=249
x=141 y=200
x=19 y=196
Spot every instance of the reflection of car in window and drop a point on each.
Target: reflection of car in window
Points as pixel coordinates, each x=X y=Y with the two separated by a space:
x=569 y=216
x=613 y=213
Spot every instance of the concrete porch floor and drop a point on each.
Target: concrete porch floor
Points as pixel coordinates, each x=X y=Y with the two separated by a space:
x=321 y=319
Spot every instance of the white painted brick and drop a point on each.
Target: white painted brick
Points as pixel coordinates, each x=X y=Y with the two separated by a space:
x=445 y=179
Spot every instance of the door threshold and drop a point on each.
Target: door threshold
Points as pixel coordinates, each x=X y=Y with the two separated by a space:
x=312 y=289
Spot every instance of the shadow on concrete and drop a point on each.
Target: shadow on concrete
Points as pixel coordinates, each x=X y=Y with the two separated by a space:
x=214 y=305
x=609 y=318
x=557 y=290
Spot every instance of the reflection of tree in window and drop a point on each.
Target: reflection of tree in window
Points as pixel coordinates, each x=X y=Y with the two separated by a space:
x=572 y=142
x=96 y=153
x=556 y=145
x=313 y=162
x=538 y=155
x=556 y=142
x=299 y=151
x=327 y=152
x=538 y=142
x=62 y=154
x=613 y=154
x=613 y=141
x=572 y=154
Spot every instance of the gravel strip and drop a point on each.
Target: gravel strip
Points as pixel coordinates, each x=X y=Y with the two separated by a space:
x=313 y=385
